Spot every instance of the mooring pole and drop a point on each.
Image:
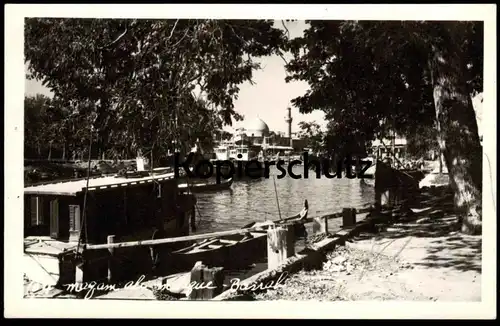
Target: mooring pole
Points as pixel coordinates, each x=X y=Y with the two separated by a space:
x=111 y=239
x=277 y=201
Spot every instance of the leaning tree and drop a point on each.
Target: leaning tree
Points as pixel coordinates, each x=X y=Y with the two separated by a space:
x=140 y=81
x=370 y=77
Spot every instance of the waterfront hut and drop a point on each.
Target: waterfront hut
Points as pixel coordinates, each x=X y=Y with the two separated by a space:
x=129 y=209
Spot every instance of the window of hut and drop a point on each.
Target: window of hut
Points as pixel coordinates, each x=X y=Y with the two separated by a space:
x=39 y=212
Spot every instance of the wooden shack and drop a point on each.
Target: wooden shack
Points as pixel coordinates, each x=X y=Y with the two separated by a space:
x=127 y=208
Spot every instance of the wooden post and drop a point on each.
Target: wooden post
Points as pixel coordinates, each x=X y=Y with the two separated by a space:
x=111 y=260
x=279 y=246
x=79 y=274
x=192 y=220
x=348 y=217
x=67 y=268
x=205 y=283
x=290 y=241
x=320 y=225
x=378 y=201
x=54 y=219
x=39 y=212
x=81 y=268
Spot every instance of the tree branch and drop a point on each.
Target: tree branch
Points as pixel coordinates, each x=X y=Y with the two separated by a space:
x=115 y=41
x=173 y=29
x=283 y=58
x=284 y=26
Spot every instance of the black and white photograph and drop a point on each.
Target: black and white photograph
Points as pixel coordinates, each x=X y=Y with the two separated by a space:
x=296 y=156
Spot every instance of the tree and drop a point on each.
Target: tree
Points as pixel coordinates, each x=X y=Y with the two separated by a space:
x=139 y=80
x=45 y=128
x=422 y=142
x=372 y=77
x=312 y=134
x=34 y=122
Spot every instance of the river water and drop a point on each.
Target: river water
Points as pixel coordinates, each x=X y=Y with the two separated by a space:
x=255 y=200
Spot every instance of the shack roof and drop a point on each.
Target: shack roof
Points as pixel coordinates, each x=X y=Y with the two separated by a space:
x=73 y=187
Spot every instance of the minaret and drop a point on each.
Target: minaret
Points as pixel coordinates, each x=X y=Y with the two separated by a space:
x=288 y=119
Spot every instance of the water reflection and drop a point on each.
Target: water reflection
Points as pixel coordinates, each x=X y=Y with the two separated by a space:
x=255 y=200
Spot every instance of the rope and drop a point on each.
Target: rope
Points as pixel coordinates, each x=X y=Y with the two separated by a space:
x=277 y=200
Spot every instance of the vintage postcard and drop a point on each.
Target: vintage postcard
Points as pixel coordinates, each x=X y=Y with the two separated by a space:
x=184 y=160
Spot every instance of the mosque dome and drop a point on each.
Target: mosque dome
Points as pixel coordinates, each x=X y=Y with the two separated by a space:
x=256 y=127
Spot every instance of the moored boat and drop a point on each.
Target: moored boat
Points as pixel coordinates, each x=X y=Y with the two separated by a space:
x=205 y=186
x=296 y=221
x=232 y=251
x=228 y=252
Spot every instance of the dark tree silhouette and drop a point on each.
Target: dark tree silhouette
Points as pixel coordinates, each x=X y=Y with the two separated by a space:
x=372 y=77
x=138 y=82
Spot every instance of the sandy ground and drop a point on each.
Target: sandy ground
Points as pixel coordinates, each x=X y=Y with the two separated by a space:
x=421 y=260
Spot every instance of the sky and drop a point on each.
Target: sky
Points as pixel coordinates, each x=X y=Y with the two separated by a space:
x=267 y=99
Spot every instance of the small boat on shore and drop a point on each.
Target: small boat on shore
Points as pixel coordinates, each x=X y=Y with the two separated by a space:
x=205 y=186
x=296 y=221
x=229 y=251
x=233 y=251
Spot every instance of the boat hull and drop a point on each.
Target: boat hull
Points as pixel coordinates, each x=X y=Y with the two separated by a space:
x=217 y=253
x=205 y=187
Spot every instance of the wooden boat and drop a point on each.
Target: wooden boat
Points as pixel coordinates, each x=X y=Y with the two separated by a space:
x=291 y=220
x=296 y=221
x=56 y=228
x=232 y=251
x=162 y=170
x=203 y=187
x=229 y=252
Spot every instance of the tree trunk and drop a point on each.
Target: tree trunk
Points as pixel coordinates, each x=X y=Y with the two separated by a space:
x=458 y=133
x=64 y=152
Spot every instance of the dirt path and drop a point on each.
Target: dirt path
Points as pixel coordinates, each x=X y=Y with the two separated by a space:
x=421 y=260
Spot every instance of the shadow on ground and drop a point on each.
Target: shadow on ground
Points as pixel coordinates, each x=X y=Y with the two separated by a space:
x=434 y=232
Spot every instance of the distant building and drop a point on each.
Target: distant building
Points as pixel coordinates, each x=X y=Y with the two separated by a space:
x=381 y=151
x=256 y=133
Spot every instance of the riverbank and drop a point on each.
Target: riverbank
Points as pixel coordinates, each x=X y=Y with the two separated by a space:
x=421 y=257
